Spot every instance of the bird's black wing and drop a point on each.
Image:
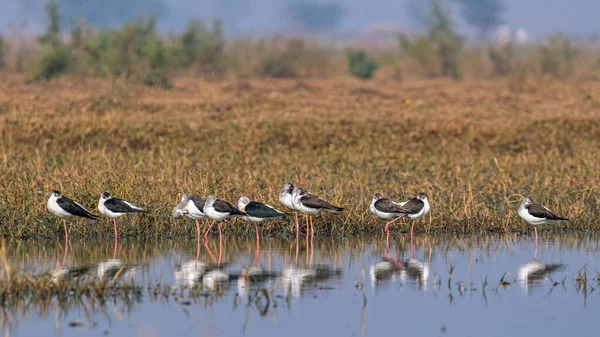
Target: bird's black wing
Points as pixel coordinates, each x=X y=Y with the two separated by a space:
x=413 y=206
x=117 y=205
x=198 y=202
x=261 y=210
x=75 y=208
x=388 y=206
x=540 y=211
x=225 y=207
x=312 y=201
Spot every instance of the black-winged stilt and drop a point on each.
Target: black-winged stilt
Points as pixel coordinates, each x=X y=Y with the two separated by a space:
x=191 y=206
x=310 y=204
x=386 y=208
x=257 y=212
x=535 y=214
x=285 y=197
x=114 y=207
x=414 y=209
x=64 y=207
x=219 y=210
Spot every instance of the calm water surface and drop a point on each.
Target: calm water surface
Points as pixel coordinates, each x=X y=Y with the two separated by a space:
x=335 y=287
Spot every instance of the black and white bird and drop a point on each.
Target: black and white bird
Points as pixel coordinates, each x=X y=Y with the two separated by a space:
x=64 y=207
x=219 y=210
x=310 y=204
x=535 y=214
x=285 y=197
x=257 y=212
x=114 y=207
x=387 y=209
x=414 y=209
x=535 y=272
x=191 y=206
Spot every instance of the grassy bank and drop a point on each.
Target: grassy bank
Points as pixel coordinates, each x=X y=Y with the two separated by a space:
x=476 y=148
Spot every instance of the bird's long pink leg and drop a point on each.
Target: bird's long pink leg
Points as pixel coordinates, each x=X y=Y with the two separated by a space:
x=208 y=230
x=115 y=228
x=297 y=224
x=312 y=229
x=387 y=244
x=257 y=248
x=220 y=244
x=212 y=256
x=66 y=250
x=198 y=231
x=297 y=251
x=307 y=225
x=256 y=228
x=198 y=251
x=412 y=228
x=115 y=247
x=307 y=229
x=535 y=254
x=66 y=231
x=535 y=230
x=387 y=225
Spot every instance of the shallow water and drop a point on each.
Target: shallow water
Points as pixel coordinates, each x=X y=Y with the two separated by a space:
x=337 y=287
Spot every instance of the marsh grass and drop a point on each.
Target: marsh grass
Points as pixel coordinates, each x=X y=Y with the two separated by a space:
x=476 y=148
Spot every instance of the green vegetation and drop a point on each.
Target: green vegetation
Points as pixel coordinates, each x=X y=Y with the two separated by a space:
x=359 y=64
x=2 y=52
x=137 y=53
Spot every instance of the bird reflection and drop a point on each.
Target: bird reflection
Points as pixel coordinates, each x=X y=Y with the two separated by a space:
x=254 y=277
x=535 y=273
x=115 y=269
x=68 y=274
x=392 y=270
x=297 y=280
x=209 y=275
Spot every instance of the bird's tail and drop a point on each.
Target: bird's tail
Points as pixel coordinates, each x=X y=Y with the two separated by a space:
x=92 y=216
x=333 y=209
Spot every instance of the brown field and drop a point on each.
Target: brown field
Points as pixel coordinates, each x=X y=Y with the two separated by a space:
x=476 y=148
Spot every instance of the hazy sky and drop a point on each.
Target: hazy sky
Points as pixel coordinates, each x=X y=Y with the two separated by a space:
x=256 y=17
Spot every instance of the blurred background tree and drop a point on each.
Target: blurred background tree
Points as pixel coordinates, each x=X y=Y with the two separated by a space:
x=315 y=15
x=483 y=15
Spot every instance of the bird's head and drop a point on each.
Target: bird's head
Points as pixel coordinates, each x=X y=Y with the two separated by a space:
x=243 y=202
x=105 y=195
x=526 y=203
x=210 y=200
x=422 y=196
x=287 y=188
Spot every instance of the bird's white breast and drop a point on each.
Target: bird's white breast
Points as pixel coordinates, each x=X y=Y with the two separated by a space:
x=530 y=219
x=57 y=210
x=286 y=200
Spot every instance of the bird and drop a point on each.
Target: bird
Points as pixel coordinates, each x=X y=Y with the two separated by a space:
x=535 y=214
x=387 y=209
x=114 y=207
x=219 y=210
x=115 y=269
x=414 y=209
x=310 y=204
x=285 y=197
x=390 y=268
x=64 y=207
x=257 y=212
x=295 y=280
x=191 y=206
x=535 y=272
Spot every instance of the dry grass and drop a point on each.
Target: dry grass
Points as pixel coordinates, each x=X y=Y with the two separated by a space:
x=476 y=148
